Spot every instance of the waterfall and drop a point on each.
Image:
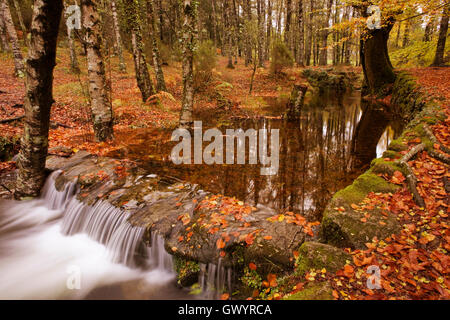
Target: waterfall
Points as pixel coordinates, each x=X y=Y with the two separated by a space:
x=214 y=280
x=107 y=225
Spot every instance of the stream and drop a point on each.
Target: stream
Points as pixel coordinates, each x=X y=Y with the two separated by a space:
x=56 y=247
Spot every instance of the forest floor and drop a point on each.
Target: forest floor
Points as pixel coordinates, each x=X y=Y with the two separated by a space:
x=414 y=264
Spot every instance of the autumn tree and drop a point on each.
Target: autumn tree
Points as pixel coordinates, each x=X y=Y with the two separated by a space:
x=443 y=29
x=5 y=16
x=38 y=97
x=101 y=109
x=140 y=62
x=189 y=43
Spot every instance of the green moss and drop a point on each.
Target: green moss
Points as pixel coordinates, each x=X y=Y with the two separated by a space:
x=315 y=291
x=397 y=145
x=314 y=255
x=365 y=183
x=187 y=270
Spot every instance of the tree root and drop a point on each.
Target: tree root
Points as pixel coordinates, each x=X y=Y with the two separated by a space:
x=410 y=177
x=11 y=119
x=439 y=156
x=433 y=139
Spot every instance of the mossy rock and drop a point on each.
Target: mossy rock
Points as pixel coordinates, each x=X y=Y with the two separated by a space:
x=9 y=146
x=345 y=229
x=315 y=255
x=314 y=291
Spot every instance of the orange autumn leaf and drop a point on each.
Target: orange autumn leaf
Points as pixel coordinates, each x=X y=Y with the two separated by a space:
x=249 y=239
x=220 y=243
x=225 y=296
x=252 y=266
x=267 y=237
x=272 y=279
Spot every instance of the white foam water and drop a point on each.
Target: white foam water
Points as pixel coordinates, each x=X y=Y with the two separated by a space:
x=59 y=248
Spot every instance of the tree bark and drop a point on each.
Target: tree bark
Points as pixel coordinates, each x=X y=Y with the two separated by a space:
x=38 y=97
x=140 y=64
x=229 y=33
x=443 y=29
x=157 y=64
x=12 y=35
x=248 y=41
x=287 y=28
x=323 y=58
x=269 y=27
x=428 y=30
x=74 y=68
x=101 y=109
x=3 y=40
x=260 y=33
x=22 y=25
x=190 y=17
x=301 y=34
x=119 y=46
x=377 y=67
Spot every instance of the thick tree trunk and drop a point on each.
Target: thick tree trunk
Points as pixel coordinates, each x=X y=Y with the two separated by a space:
x=157 y=63
x=38 y=97
x=101 y=109
x=119 y=46
x=190 y=17
x=443 y=29
x=21 y=23
x=377 y=67
x=140 y=64
x=12 y=35
x=428 y=30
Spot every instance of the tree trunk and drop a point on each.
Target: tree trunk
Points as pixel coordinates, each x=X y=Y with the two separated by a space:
x=38 y=97
x=157 y=64
x=12 y=35
x=3 y=40
x=406 y=34
x=375 y=60
x=248 y=41
x=101 y=109
x=323 y=59
x=428 y=30
x=119 y=46
x=229 y=33
x=260 y=33
x=309 y=38
x=269 y=27
x=74 y=68
x=301 y=34
x=443 y=29
x=287 y=28
x=22 y=25
x=140 y=64
x=190 y=17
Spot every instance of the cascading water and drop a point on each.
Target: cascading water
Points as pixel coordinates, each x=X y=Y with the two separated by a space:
x=214 y=280
x=47 y=243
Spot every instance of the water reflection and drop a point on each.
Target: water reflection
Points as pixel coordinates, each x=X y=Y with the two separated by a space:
x=315 y=153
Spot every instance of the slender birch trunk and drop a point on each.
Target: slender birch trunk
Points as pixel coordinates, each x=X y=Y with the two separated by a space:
x=12 y=35
x=101 y=109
